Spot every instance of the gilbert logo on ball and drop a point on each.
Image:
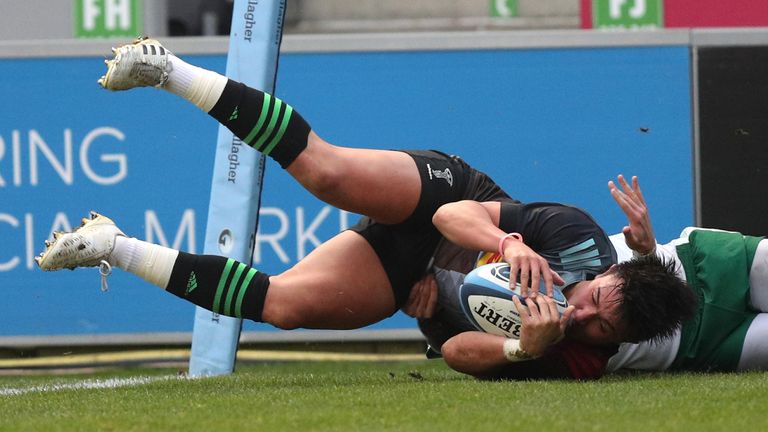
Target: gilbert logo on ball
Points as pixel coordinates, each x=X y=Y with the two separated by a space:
x=486 y=299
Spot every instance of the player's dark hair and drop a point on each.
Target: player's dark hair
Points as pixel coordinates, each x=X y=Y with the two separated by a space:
x=654 y=301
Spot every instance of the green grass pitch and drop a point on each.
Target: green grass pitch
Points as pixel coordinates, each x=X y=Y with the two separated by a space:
x=369 y=396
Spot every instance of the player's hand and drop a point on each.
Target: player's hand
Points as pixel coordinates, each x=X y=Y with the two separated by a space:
x=541 y=324
x=531 y=266
x=639 y=233
x=423 y=298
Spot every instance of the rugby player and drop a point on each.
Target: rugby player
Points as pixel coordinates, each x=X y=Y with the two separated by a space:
x=728 y=272
x=430 y=210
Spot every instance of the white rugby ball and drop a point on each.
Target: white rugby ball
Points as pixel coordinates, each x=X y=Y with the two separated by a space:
x=486 y=299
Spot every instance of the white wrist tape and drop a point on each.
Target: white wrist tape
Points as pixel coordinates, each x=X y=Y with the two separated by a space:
x=514 y=353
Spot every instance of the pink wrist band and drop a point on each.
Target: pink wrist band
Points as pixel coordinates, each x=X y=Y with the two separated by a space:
x=514 y=235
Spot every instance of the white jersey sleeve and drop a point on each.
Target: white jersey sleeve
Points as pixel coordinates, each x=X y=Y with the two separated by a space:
x=652 y=356
x=667 y=252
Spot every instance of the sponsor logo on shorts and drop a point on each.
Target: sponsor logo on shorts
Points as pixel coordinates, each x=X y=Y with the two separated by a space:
x=444 y=174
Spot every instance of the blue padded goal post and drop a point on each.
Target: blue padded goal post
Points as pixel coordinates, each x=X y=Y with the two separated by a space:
x=233 y=212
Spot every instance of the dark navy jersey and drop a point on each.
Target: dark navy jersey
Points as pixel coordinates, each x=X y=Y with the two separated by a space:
x=567 y=237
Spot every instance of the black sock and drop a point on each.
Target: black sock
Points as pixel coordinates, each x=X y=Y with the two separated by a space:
x=218 y=284
x=262 y=121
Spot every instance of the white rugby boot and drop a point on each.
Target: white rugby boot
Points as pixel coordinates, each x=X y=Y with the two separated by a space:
x=87 y=246
x=143 y=63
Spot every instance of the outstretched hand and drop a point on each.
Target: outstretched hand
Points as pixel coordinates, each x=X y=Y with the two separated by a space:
x=639 y=233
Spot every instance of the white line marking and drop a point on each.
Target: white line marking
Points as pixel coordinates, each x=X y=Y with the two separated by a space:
x=89 y=384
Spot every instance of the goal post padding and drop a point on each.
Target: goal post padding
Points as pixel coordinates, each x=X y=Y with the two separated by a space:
x=233 y=212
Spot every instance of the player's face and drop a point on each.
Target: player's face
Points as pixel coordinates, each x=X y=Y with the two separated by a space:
x=595 y=319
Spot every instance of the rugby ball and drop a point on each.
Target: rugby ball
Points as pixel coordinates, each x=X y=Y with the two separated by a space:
x=486 y=299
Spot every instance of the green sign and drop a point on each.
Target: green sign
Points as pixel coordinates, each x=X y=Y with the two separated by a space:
x=107 y=18
x=627 y=14
x=503 y=8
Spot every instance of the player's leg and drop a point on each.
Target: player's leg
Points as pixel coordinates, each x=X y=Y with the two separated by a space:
x=213 y=282
x=754 y=353
x=340 y=285
x=381 y=184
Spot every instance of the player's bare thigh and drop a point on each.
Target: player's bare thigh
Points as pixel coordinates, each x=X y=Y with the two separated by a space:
x=339 y=285
x=381 y=184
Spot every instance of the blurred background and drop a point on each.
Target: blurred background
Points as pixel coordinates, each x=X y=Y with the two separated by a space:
x=213 y=17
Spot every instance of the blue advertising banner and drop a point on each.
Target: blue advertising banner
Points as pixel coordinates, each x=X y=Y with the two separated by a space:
x=547 y=124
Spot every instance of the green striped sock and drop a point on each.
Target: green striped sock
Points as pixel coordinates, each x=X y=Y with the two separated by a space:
x=262 y=121
x=221 y=285
x=233 y=284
